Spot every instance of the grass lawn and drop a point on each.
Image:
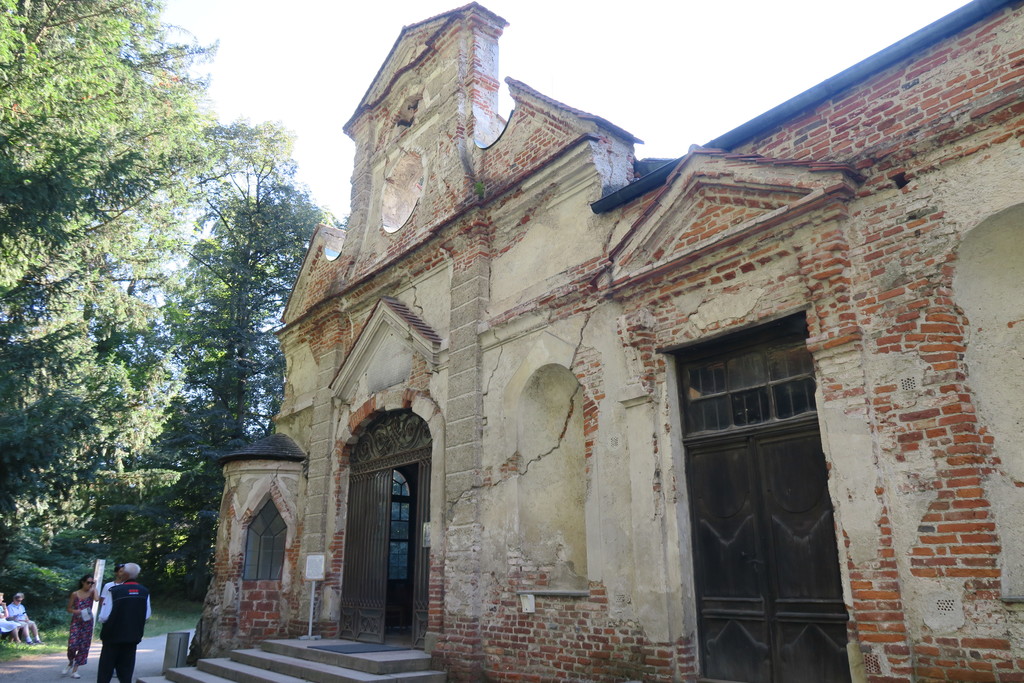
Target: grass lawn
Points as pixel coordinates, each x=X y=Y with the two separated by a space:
x=168 y=615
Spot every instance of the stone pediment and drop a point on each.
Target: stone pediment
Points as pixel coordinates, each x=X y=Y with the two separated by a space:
x=415 y=43
x=713 y=196
x=320 y=274
x=382 y=354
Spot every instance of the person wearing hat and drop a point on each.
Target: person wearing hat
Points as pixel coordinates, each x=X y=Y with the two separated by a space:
x=123 y=615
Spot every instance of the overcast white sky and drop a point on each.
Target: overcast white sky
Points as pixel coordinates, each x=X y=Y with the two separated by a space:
x=672 y=72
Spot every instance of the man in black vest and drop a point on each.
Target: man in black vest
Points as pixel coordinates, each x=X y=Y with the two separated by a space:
x=124 y=617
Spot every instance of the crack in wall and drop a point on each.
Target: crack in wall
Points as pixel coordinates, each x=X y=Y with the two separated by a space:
x=561 y=436
x=415 y=306
x=579 y=344
x=488 y=482
x=494 y=370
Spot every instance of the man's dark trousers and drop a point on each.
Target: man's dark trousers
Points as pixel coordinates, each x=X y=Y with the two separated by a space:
x=122 y=631
x=119 y=657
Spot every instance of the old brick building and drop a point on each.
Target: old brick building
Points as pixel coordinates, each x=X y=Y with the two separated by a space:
x=753 y=414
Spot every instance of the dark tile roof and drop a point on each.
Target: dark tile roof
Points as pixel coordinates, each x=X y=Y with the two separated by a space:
x=412 y=319
x=273 y=447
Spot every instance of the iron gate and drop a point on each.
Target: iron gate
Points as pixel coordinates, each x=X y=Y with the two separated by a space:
x=397 y=439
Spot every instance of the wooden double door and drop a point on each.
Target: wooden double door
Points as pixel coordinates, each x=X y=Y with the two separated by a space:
x=384 y=588
x=767 y=572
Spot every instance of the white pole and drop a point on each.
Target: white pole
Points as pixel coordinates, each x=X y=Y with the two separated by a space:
x=97 y=575
x=312 y=596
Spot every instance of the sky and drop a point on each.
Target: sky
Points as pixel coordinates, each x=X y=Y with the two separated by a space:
x=671 y=72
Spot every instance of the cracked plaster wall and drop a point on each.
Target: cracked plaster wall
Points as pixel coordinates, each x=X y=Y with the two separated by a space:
x=248 y=485
x=631 y=542
x=645 y=544
x=988 y=281
x=552 y=477
x=430 y=297
x=536 y=252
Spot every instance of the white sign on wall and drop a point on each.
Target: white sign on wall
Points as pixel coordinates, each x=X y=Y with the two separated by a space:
x=315 y=567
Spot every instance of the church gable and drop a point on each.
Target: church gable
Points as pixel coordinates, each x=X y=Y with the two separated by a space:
x=320 y=274
x=431 y=146
x=712 y=196
x=382 y=355
x=416 y=43
x=415 y=134
x=542 y=130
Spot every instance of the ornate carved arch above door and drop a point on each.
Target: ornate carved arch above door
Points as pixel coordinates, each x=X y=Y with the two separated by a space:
x=398 y=439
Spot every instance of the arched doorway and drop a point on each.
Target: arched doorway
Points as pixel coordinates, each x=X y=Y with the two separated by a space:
x=384 y=583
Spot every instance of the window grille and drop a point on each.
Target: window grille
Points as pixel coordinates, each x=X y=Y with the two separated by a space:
x=748 y=386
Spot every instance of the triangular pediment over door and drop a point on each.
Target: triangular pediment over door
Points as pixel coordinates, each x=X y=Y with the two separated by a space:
x=713 y=198
x=383 y=354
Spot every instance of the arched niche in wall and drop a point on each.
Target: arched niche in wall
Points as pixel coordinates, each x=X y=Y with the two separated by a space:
x=553 y=479
x=987 y=286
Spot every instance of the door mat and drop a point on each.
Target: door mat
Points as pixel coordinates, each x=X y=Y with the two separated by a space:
x=356 y=648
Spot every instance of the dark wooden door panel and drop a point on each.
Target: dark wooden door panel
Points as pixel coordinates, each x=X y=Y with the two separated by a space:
x=812 y=652
x=737 y=650
x=364 y=581
x=726 y=529
x=802 y=531
x=769 y=593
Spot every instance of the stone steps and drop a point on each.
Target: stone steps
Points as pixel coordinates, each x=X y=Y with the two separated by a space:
x=294 y=661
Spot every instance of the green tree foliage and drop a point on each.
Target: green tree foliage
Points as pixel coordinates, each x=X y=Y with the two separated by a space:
x=99 y=130
x=47 y=572
x=247 y=251
x=252 y=238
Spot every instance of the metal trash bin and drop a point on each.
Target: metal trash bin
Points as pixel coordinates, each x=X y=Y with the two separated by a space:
x=176 y=650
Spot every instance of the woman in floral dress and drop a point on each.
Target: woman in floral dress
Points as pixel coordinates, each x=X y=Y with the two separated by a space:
x=80 y=607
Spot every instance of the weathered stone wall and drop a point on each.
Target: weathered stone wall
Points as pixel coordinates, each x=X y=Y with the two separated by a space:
x=888 y=216
x=238 y=611
x=938 y=141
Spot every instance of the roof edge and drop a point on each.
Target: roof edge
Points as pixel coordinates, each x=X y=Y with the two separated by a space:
x=641 y=185
x=279 y=447
x=952 y=23
x=600 y=122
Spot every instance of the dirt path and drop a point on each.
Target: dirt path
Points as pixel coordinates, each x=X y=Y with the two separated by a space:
x=39 y=668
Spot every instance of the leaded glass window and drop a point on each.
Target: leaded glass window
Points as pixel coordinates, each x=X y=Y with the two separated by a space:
x=264 y=545
x=401 y=506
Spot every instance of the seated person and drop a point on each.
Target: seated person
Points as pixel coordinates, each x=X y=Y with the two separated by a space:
x=7 y=626
x=16 y=612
